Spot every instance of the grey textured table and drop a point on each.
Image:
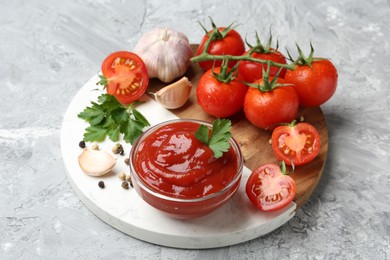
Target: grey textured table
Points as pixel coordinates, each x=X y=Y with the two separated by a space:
x=50 y=49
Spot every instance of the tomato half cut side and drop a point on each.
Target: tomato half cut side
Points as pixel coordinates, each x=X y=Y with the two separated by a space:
x=127 y=76
x=298 y=144
x=269 y=189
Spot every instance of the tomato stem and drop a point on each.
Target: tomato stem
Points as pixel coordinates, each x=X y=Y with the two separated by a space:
x=216 y=35
x=260 y=48
x=225 y=75
x=266 y=84
x=205 y=57
x=302 y=60
x=293 y=123
x=283 y=168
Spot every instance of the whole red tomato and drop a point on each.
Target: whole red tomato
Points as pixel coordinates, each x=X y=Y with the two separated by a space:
x=230 y=44
x=269 y=189
x=125 y=76
x=217 y=98
x=296 y=143
x=265 y=108
x=251 y=71
x=314 y=84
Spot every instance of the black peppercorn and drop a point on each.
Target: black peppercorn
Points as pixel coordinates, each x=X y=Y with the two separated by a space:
x=82 y=144
x=125 y=185
x=101 y=184
x=118 y=149
x=127 y=161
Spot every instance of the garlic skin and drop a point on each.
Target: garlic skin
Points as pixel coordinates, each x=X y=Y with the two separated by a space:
x=96 y=162
x=165 y=52
x=174 y=95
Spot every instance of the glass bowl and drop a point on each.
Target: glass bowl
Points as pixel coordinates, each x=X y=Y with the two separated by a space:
x=182 y=207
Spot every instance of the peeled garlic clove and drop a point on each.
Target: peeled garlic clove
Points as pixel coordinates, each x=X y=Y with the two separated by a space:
x=174 y=95
x=96 y=162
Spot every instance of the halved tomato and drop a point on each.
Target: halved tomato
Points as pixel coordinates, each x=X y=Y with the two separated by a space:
x=269 y=189
x=296 y=143
x=125 y=75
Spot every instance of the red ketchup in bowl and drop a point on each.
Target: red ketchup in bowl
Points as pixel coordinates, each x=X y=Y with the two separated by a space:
x=178 y=174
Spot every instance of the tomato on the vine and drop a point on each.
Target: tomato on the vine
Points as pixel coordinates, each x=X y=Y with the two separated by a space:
x=296 y=144
x=252 y=71
x=269 y=189
x=217 y=98
x=125 y=76
x=228 y=42
x=265 y=107
x=315 y=82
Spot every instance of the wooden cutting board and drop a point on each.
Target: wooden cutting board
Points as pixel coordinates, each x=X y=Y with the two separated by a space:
x=254 y=142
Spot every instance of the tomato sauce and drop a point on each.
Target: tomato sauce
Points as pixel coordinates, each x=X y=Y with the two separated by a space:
x=173 y=162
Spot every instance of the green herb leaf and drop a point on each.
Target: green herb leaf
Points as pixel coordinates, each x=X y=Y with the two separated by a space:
x=203 y=134
x=139 y=117
x=103 y=81
x=113 y=134
x=95 y=133
x=110 y=118
x=218 y=140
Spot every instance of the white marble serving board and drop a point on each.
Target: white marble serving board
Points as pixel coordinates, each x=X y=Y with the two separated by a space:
x=235 y=222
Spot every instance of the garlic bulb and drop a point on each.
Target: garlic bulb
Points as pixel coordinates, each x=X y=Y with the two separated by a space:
x=96 y=162
x=174 y=95
x=166 y=53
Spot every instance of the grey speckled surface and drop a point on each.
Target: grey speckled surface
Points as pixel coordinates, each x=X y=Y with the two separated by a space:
x=49 y=50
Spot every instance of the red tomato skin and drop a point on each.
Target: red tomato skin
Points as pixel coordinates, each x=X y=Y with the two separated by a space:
x=314 y=85
x=252 y=71
x=310 y=145
x=232 y=44
x=267 y=182
x=122 y=78
x=220 y=99
x=267 y=109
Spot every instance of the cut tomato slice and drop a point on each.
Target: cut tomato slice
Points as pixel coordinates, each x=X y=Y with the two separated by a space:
x=269 y=189
x=126 y=76
x=296 y=144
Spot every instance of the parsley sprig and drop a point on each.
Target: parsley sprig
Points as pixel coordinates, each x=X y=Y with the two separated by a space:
x=108 y=117
x=218 y=140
